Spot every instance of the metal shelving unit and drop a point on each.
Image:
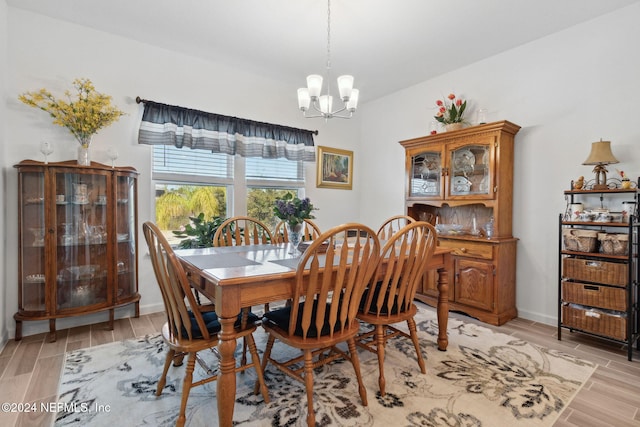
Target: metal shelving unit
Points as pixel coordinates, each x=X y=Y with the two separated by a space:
x=598 y=290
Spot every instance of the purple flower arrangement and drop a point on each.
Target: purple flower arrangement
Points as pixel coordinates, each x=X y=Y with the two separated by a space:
x=293 y=210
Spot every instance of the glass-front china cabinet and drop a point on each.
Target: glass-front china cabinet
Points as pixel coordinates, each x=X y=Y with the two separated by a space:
x=461 y=172
x=77 y=241
x=462 y=181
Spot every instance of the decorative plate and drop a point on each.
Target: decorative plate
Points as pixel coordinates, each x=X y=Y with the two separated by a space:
x=461 y=184
x=464 y=160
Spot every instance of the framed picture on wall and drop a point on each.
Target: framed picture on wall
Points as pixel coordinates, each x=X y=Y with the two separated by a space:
x=335 y=168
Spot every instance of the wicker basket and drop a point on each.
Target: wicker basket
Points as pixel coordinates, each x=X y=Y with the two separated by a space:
x=595 y=321
x=595 y=295
x=592 y=270
x=580 y=240
x=614 y=244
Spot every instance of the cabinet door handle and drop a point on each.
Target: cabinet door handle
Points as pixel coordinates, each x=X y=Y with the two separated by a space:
x=463 y=250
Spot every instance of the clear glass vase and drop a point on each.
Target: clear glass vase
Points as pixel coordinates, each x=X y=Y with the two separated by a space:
x=295 y=236
x=84 y=159
x=83 y=156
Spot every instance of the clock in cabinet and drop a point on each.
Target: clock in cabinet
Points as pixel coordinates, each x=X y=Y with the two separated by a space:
x=462 y=181
x=77 y=233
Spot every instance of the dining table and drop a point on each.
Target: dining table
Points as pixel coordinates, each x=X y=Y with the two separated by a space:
x=237 y=277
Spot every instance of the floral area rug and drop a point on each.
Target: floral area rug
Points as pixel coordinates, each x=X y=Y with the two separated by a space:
x=484 y=379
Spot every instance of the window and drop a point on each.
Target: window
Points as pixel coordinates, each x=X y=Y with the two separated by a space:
x=268 y=179
x=192 y=181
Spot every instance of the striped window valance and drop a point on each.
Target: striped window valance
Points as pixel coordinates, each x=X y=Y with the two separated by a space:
x=183 y=127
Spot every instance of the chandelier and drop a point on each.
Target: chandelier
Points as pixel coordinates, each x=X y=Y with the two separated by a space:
x=322 y=105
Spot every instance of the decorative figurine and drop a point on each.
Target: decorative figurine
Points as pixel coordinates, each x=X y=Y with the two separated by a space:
x=578 y=183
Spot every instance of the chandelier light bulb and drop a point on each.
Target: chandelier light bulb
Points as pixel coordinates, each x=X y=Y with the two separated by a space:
x=353 y=100
x=326 y=104
x=345 y=86
x=314 y=84
x=303 y=99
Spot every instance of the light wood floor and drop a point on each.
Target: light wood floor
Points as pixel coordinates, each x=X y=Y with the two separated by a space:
x=30 y=369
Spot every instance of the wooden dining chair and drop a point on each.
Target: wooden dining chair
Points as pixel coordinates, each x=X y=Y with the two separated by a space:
x=389 y=300
x=330 y=279
x=189 y=330
x=311 y=232
x=393 y=224
x=242 y=230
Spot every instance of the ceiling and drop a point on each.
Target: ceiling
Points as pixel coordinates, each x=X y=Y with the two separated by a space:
x=386 y=44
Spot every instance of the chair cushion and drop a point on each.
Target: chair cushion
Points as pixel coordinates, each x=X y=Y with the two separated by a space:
x=280 y=318
x=374 y=307
x=212 y=323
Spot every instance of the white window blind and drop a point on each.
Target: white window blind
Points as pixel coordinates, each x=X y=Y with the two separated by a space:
x=262 y=171
x=187 y=165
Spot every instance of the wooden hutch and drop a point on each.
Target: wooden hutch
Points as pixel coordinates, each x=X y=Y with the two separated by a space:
x=463 y=182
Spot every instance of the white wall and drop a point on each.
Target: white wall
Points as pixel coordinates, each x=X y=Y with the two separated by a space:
x=43 y=52
x=566 y=91
x=3 y=142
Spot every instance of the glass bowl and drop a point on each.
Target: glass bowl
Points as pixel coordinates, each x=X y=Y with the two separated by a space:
x=449 y=228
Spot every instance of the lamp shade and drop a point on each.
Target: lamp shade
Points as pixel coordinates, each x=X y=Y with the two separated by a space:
x=326 y=104
x=600 y=154
x=345 y=86
x=314 y=84
x=353 y=100
x=303 y=99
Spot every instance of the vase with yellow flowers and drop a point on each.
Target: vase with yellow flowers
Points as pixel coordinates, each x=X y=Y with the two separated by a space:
x=83 y=114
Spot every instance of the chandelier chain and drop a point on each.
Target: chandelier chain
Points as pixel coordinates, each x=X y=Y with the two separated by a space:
x=328 y=34
x=322 y=104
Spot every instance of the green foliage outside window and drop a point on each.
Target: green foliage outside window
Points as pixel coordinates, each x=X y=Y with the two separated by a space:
x=198 y=233
x=260 y=202
x=177 y=204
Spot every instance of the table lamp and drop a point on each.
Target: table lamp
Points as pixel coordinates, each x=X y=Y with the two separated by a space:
x=600 y=156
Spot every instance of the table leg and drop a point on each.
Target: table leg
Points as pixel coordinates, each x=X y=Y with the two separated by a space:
x=227 y=375
x=443 y=308
x=52 y=330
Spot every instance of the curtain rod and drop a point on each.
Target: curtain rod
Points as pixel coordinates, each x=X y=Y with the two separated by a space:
x=140 y=100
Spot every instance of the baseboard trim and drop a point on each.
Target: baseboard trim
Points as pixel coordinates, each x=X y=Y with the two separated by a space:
x=538 y=317
x=42 y=326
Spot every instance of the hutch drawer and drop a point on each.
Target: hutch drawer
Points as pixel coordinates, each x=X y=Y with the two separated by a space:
x=468 y=248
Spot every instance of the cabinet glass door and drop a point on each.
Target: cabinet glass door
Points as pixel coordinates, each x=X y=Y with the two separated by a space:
x=426 y=174
x=33 y=235
x=125 y=228
x=470 y=170
x=81 y=216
